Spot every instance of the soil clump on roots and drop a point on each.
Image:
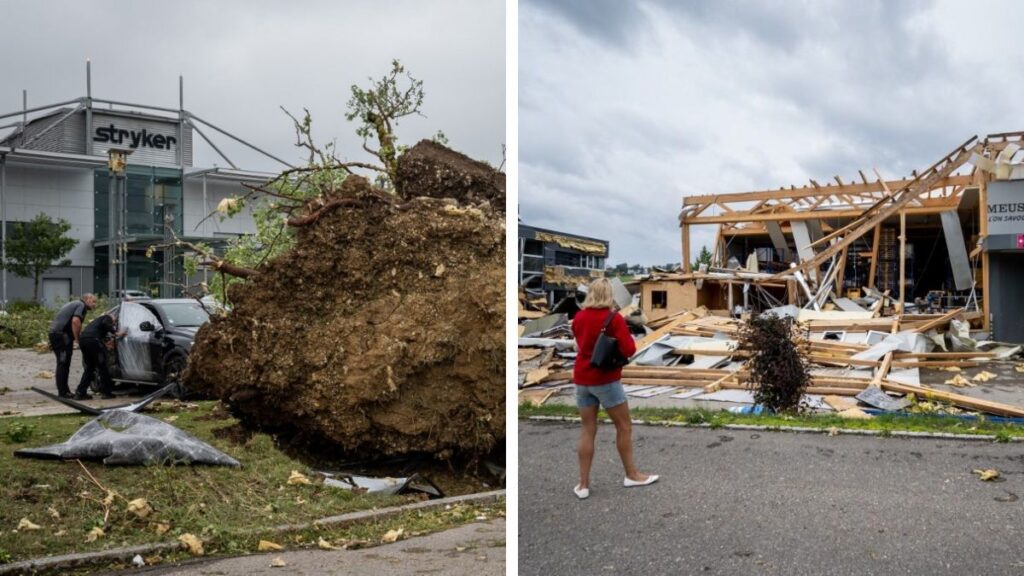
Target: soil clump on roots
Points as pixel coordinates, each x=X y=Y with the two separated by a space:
x=381 y=332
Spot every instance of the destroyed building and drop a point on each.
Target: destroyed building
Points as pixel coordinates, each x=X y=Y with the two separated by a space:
x=954 y=234
x=552 y=264
x=896 y=284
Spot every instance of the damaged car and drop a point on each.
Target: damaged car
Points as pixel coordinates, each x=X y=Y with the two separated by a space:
x=159 y=337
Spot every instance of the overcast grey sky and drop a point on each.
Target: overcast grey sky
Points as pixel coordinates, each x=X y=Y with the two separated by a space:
x=625 y=107
x=243 y=59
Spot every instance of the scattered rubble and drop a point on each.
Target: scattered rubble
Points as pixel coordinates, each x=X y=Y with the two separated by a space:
x=833 y=258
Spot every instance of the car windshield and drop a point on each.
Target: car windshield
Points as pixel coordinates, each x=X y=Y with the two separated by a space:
x=185 y=314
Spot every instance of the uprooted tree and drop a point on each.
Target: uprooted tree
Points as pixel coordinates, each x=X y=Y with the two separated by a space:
x=778 y=371
x=370 y=319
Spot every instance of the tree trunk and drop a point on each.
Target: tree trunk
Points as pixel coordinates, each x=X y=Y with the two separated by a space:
x=35 y=287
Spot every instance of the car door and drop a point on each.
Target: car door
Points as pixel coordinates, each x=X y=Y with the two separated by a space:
x=134 y=351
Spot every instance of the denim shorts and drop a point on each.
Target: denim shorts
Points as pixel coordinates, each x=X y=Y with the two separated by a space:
x=608 y=395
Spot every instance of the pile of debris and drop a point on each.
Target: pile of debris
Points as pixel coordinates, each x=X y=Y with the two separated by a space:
x=381 y=332
x=839 y=259
x=694 y=355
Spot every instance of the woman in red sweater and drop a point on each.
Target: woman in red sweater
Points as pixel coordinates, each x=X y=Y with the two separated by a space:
x=596 y=387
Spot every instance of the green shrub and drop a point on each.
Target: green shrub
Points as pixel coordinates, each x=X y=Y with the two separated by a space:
x=26 y=323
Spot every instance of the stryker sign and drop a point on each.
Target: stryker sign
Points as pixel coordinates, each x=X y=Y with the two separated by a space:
x=134 y=138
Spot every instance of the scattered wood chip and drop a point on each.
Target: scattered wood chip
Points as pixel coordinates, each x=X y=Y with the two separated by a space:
x=833 y=431
x=984 y=376
x=26 y=524
x=151 y=560
x=53 y=513
x=95 y=534
x=854 y=414
x=439 y=271
x=959 y=381
x=325 y=545
x=298 y=478
x=140 y=507
x=277 y=562
x=267 y=545
x=952 y=369
x=194 y=545
x=393 y=535
x=59 y=533
x=987 y=475
x=160 y=528
x=45 y=374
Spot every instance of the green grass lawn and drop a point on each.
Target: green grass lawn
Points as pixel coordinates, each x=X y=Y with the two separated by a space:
x=230 y=509
x=886 y=423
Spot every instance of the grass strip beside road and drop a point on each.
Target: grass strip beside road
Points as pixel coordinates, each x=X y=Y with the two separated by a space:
x=884 y=424
x=228 y=508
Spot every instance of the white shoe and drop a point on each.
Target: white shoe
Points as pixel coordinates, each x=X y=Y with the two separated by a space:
x=633 y=483
x=581 y=493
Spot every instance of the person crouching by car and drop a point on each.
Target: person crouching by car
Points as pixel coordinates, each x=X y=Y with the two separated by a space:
x=95 y=343
x=64 y=332
x=598 y=385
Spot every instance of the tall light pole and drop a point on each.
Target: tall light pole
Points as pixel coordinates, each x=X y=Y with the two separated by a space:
x=117 y=251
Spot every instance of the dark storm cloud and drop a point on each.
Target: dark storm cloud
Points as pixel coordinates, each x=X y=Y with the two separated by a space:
x=660 y=99
x=242 y=60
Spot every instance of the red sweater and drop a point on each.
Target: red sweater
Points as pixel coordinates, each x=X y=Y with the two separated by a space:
x=586 y=327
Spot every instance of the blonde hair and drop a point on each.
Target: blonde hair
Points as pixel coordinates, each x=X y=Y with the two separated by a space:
x=599 y=294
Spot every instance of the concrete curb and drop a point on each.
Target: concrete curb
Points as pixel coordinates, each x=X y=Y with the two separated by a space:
x=78 y=560
x=799 y=429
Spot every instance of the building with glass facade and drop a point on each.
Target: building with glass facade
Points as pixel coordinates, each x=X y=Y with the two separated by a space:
x=54 y=161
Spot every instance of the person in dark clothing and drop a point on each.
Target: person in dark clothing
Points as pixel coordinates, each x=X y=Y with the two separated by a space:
x=95 y=343
x=63 y=334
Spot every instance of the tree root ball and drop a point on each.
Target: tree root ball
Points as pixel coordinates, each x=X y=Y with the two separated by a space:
x=380 y=333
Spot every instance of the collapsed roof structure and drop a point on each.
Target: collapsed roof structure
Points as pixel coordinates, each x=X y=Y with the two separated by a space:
x=806 y=245
x=897 y=282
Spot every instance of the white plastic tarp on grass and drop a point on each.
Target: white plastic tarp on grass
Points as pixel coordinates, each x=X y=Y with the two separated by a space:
x=122 y=437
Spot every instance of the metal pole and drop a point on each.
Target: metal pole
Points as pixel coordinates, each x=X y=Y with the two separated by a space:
x=181 y=125
x=24 y=114
x=88 y=107
x=3 y=229
x=111 y=233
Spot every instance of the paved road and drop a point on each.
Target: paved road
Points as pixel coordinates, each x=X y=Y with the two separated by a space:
x=468 y=550
x=20 y=369
x=770 y=503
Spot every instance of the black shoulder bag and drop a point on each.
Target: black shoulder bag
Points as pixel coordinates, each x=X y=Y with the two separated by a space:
x=606 y=354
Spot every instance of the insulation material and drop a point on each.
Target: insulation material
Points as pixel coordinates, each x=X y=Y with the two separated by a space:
x=133 y=351
x=122 y=437
x=580 y=244
x=957 y=250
